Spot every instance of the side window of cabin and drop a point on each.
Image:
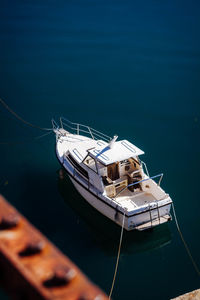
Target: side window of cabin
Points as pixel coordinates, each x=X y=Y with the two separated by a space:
x=90 y=163
x=77 y=166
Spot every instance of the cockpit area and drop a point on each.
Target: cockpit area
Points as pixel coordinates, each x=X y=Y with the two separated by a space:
x=120 y=174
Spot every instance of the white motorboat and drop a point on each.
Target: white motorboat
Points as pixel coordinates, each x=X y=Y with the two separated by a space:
x=111 y=177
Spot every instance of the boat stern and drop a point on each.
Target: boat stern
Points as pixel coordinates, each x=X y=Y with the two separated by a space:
x=151 y=215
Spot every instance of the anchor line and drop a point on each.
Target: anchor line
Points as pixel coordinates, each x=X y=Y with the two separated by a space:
x=118 y=255
x=20 y=118
x=26 y=141
x=184 y=243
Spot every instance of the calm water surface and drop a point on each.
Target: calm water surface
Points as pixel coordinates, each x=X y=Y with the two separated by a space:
x=123 y=67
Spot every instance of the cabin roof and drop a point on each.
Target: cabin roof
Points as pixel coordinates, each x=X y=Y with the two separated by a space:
x=121 y=150
x=80 y=146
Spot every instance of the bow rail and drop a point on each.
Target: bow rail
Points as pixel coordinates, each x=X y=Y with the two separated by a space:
x=77 y=128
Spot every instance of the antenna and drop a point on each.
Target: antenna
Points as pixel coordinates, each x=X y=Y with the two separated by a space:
x=112 y=142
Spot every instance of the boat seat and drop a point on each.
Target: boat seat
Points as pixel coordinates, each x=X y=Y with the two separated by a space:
x=106 y=180
x=132 y=178
x=134 y=173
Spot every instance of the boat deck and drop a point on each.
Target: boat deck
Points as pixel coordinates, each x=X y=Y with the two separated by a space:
x=132 y=200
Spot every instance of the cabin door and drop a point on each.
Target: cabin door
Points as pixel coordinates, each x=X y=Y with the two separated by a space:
x=113 y=171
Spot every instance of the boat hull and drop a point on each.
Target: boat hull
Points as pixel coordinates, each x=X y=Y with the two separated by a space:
x=139 y=221
x=141 y=218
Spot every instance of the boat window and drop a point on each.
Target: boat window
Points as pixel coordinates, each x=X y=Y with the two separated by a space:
x=90 y=162
x=77 y=166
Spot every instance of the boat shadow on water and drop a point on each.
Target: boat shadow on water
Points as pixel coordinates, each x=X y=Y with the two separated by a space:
x=106 y=233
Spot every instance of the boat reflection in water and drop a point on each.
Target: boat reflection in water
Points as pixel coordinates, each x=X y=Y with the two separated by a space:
x=106 y=233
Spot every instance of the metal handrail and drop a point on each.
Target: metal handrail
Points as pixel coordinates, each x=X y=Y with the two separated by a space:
x=95 y=134
x=61 y=123
x=134 y=183
x=161 y=177
x=54 y=124
x=143 y=163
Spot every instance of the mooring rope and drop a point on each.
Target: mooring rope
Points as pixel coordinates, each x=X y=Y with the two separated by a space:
x=20 y=118
x=26 y=141
x=118 y=255
x=184 y=243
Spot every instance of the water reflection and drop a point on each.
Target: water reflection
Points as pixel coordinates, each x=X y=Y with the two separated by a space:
x=104 y=231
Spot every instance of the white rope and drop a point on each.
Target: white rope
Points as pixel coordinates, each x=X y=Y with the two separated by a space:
x=27 y=140
x=118 y=255
x=20 y=118
x=184 y=243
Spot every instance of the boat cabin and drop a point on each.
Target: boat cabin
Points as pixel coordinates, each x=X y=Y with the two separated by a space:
x=109 y=168
x=118 y=166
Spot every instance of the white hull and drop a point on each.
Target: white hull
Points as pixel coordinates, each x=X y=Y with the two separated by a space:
x=143 y=209
x=131 y=222
x=100 y=206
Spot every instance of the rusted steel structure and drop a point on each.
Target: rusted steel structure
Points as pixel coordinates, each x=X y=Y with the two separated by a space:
x=33 y=268
x=194 y=295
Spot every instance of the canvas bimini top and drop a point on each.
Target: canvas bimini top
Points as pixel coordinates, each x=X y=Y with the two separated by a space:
x=120 y=150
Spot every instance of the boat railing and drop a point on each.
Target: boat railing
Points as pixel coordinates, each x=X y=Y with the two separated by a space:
x=54 y=124
x=145 y=166
x=145 y=179
x=77 y=128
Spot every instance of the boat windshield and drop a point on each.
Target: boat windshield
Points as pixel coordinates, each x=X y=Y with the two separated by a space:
x=90 y=163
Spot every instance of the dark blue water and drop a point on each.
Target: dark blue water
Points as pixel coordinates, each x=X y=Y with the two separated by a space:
x=124 y=67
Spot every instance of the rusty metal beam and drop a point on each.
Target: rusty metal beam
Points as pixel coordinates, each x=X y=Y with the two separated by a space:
x=33 y=268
